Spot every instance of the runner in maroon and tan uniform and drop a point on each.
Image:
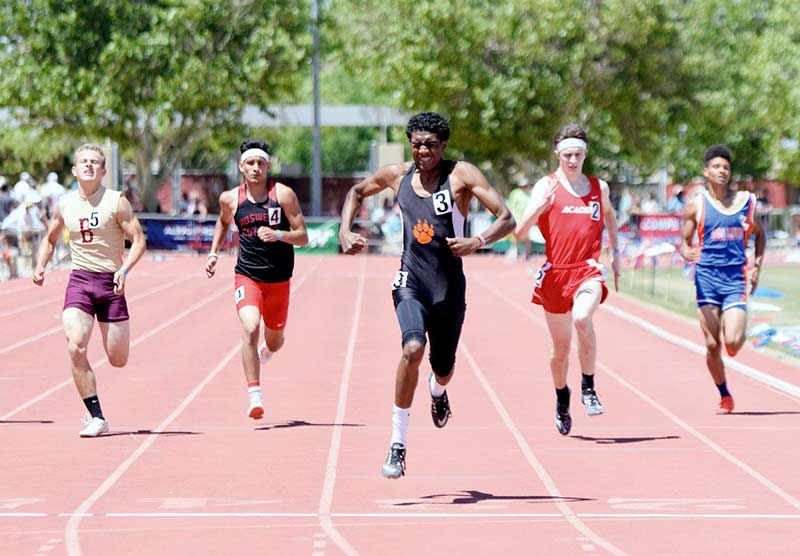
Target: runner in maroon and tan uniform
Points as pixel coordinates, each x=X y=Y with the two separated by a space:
x=98 y=221
x=270 y=223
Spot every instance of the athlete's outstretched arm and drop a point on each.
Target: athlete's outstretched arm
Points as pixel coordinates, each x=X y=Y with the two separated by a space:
x=227 y=203
x=48 y=246
x=386 y=177
x=133 y=231
x=541 y=199
x=610 y=222
x=761 y=246
x=690 y=212
x=504 y=223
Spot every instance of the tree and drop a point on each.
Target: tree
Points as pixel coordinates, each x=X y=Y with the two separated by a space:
x=508 y=75
x=156 y=76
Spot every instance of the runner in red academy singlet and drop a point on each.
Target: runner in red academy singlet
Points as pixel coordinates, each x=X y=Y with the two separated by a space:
x=571 y=210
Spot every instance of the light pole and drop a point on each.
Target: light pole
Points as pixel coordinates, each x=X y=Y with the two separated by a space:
x=316 y=163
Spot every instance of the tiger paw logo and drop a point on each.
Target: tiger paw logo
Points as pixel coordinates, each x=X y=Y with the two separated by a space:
x=423 y=232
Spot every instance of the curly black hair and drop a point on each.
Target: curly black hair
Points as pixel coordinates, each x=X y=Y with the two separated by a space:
x=429 y=121
x=717 y=151
x=255 y=144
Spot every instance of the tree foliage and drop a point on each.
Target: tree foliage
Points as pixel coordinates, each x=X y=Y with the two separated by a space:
x=508 y=75
x=654 y=81
x=156 y=76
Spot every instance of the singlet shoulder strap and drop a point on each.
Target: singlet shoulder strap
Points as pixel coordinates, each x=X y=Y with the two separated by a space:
x=272 y=187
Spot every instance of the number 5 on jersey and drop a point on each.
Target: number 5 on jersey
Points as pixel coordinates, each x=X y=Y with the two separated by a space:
x=86 y=224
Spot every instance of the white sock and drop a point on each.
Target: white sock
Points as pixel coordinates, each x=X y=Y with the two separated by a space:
x=254 y=391
x=400 y=424
x=437 y=390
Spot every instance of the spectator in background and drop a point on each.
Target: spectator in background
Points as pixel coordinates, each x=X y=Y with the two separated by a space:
x=650 y=205
x=26 y=218
x=51 y=191
x=624 y=207
x=186 y=205
x=518 y=201
x=763 y=208
x=193 y=205
x=7 y=202
x=22 y=187
x=677 y=201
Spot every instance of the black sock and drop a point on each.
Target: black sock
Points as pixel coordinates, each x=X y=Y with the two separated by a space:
x=723 y=389
x=587 y=381
x=562 y=395
x=93 y=405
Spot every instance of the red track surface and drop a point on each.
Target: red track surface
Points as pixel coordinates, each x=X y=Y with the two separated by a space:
x=185 y=472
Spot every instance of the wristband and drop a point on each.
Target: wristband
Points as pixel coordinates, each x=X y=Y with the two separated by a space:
x=481 y=239
x=280 y=235
x=213 y=255
x=616 y=250
x=123 y=270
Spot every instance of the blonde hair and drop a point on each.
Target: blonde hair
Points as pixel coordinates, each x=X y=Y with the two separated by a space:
x=92 y=147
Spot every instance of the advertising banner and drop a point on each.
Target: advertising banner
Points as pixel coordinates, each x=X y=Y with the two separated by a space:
x=192 y=234
x=661 y=227
x=177 y=233
x=323 y=237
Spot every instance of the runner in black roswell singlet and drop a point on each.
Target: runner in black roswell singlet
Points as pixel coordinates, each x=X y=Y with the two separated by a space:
x=429 y=289
x=270 y=223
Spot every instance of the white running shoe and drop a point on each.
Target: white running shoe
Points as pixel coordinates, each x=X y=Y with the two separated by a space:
x=256 y=409
x=591 y=402
x=263 y=353
x=95 y=427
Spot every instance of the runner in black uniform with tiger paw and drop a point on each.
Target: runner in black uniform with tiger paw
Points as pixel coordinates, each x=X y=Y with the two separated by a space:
x=429 y=289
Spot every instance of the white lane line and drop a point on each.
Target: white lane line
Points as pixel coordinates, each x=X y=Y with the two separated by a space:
x=746 y=370
x=103 y=361
x=60 y=327
x=535 y=464
x=411 y=515
x=31 y=306
x=674 y=418
x=71 y=532
x=794 y=502
x=326 y=500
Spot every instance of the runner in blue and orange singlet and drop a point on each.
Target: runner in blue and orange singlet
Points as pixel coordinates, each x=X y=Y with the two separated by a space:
x=98 y=221
x=270 y=223
x=723 y=219
x=429 y=288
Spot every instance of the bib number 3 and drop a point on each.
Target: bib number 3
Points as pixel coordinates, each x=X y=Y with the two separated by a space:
x=442 y=203
x=400 y=279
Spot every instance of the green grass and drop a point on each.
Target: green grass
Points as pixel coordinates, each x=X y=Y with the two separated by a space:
x=671 y=289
